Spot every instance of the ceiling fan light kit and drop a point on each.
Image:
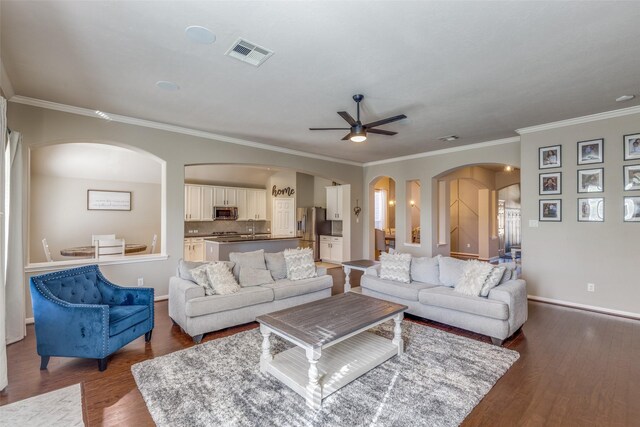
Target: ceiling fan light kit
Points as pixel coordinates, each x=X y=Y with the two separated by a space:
x=358 y=131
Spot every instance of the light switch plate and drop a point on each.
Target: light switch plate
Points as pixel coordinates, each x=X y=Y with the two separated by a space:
x=533 y=223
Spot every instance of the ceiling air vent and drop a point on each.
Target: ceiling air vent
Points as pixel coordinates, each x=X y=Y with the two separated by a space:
x=249 y=52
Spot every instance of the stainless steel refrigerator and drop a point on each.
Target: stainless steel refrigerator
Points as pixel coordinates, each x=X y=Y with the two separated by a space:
x=311 y=223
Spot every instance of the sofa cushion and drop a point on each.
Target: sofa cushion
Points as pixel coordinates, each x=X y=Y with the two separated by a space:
x=122 y=317
x=445 y=297
x=77 y=289
x=408 y=291
x=426 y=270
x=276 y=265
x=254 y=277
x=217 y=303
x=395 y=267
x=286 y=288
x=300 y=264
x=450 y=270
x=221 y=279
x=253 y=259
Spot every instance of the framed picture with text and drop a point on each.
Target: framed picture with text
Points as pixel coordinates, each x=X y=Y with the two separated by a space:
x=591 y=209
x=551 y=210
x=591 y=151
x=550 y=183
x=591 y=180
x=550 y=157
x=101 y=200
x=631 y=146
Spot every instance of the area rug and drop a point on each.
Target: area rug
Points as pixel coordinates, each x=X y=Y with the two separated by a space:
x=61 y=408
x=437 y=382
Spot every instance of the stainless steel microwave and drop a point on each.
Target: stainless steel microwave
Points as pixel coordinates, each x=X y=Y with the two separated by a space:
x=225 y=212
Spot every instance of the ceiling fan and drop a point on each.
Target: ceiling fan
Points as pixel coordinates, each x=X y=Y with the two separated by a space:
x=358 y=131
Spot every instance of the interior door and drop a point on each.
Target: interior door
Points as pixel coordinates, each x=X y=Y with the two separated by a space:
x=284 y=217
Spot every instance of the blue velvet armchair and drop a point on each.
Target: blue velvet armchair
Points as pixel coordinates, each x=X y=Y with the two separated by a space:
x=79 y=313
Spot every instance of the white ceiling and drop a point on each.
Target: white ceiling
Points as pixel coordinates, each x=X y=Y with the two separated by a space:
x=479 y=70
x=95 y=162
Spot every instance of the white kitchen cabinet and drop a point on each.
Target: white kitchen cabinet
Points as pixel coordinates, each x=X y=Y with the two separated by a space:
x=192 y=202
x=241 y=204
x=194 y=249
x=224 y=196
x=335 y=203
x=256 y=205
x=331 y=249
x=207 y=203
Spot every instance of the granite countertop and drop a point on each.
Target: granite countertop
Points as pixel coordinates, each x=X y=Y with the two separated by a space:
x=210 y=236
x=239 y=239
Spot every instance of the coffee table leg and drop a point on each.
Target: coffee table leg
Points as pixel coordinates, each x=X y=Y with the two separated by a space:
x=397 y=333
x=266 y=356
x=347 y=284
x=314 y=390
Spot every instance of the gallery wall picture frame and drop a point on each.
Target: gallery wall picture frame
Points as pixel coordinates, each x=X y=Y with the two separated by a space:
x=550 y=210
x=631 y=146
x=591 y=209
x=106 y=200
x=591 y=151
x=631 y=174
x=550 y=183
x=632 y=209
x=591 y=180
x=550 y=157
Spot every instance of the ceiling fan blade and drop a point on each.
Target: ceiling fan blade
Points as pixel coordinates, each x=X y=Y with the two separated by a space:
x=381 y=131
x=347 y=117
x=329 y=128
x=385 y=121
x=346 y=137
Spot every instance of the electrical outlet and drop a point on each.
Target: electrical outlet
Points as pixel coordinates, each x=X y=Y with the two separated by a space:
x=140 y=281
x=591 y=287
x=468 y=245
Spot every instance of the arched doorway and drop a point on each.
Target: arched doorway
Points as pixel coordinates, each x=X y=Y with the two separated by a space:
x=382 y=194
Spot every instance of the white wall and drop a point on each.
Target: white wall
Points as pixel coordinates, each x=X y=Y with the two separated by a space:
x=59 y=214
x=320 y=191
x=559 y=259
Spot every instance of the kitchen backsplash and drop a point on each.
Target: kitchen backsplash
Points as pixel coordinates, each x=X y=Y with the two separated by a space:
x=208 y=227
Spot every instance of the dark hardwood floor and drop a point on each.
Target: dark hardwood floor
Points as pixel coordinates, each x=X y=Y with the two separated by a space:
x=575 y=368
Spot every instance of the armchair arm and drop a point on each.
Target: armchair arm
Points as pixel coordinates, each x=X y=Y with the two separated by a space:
x=514 y=294
x=66 y=329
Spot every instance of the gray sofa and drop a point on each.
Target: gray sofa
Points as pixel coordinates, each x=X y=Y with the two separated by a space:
x=198 y=314
x=499 y=315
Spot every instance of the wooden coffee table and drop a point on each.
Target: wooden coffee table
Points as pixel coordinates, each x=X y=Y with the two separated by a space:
x=332 y=345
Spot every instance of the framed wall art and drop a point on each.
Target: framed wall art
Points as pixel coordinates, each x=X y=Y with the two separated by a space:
x=631 y=177
x=632 y=209
x=551 y=210
x=550 y=157
x=591 y=151
x=591 y=180
x=102 y=200
x=631 y=146
x=591 y=209
x=550 y=183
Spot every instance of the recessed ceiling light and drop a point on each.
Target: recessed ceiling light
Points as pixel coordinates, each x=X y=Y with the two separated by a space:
x=624 y=98
x=200 y=34
x=166 y=85
x=448 y=138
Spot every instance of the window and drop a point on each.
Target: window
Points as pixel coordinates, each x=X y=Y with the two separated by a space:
x=380 y=206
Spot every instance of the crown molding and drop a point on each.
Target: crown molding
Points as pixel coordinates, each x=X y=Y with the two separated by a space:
x=580 y=120
x=475 y=146
x=172 y=128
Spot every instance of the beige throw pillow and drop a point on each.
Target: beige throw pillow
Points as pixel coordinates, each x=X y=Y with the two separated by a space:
x=221 y=279
x=396 y=267
x=300 y=264
x=199 y=275
x=474 y=274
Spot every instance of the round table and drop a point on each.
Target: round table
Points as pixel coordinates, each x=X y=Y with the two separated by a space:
x=89 y=251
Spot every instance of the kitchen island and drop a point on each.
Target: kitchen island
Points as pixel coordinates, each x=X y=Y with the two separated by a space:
x=219 y=248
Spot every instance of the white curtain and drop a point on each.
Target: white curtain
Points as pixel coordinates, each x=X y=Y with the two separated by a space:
x=3 y=343
x=14 y=281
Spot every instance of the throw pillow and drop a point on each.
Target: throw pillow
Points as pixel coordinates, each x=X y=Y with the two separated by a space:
x=199 y=276
x=395 y=267
x=276 y=265
x=426 y=270
x=221 y=279
x=185 y=267
x=300 y=263
x=253 y=259
x=450 y=270
x=510 y=272
x=492 y=280
x=254 y=277
x=473 y=276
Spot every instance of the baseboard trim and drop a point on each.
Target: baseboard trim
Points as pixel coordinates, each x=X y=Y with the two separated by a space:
x=585 y=307
x=30 y=321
